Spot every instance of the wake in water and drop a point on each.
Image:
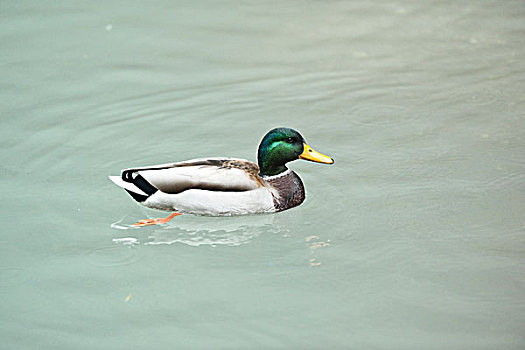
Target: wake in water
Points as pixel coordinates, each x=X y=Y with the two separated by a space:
x=198 y=230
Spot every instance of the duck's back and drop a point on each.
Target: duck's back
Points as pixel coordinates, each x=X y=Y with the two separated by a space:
x=216 y=174
x=212 y=186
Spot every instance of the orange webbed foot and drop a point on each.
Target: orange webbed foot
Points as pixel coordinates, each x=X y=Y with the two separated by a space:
x=146 y=222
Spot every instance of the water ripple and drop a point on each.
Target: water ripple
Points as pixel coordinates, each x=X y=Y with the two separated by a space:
x=382 y=115
x=110 y=256
x=10 y=277
x=509 y=180
x=202 y=237
x=198 y=231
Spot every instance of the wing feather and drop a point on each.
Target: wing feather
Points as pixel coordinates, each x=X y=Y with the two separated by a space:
x=213 y=174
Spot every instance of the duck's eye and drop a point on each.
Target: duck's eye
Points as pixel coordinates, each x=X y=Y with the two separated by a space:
x=289 y=140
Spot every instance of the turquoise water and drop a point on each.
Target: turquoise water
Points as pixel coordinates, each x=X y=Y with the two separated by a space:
x=414 y=239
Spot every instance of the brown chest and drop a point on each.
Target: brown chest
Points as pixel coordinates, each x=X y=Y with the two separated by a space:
x=289 y=191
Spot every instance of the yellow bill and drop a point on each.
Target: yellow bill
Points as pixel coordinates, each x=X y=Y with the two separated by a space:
x=314 y=156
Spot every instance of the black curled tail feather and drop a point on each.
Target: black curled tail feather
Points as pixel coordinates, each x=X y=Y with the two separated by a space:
x=127 y=175
x=141 y=183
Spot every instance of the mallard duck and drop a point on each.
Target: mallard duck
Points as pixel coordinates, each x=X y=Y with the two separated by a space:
x=225 y=186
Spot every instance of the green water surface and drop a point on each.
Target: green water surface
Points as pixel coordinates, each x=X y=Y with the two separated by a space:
x=413 y=239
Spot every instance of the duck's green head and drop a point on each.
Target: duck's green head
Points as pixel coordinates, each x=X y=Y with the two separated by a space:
x=282 y=145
